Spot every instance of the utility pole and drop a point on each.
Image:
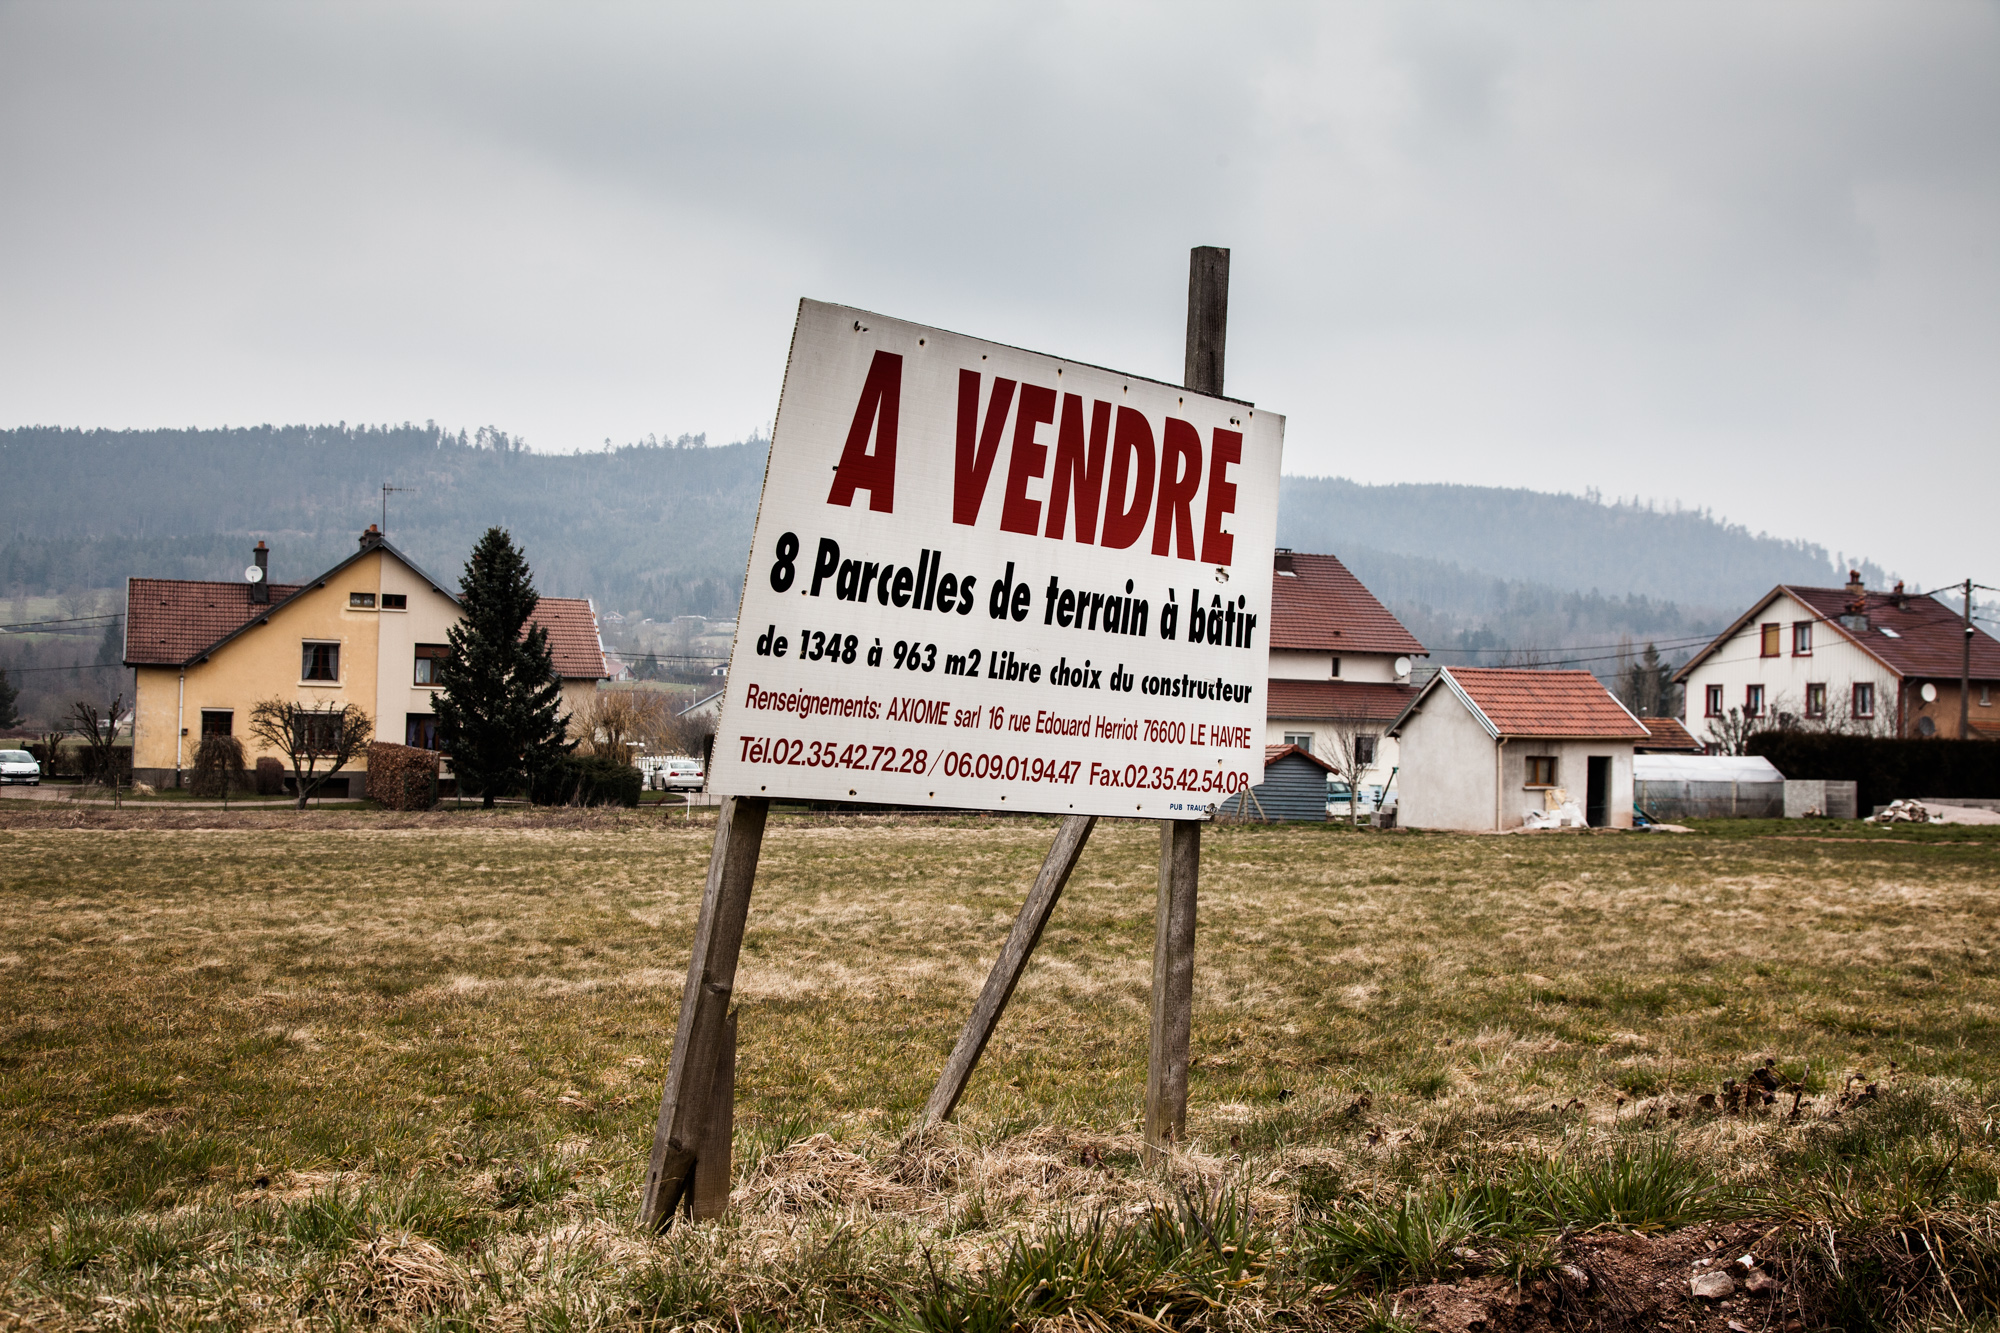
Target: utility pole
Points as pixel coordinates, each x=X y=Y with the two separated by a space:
x=1965 y=672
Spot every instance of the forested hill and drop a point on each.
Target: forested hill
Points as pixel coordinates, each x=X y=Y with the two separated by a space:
x=661 y=528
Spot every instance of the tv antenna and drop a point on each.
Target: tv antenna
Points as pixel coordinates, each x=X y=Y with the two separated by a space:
x=386 y=489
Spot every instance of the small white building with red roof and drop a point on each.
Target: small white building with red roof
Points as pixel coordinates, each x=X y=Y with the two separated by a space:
x=1485 y=747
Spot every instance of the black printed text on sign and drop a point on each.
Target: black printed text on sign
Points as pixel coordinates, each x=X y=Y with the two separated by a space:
x=985 y=578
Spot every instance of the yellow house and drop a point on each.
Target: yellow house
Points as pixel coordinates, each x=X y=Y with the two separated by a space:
x=365 y=632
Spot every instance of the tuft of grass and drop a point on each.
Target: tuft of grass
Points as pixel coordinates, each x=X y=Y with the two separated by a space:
x=1409 y=1240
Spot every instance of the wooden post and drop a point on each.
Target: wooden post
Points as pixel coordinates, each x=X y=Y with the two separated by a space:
x=1009 y=966
x=1173 y=986
x=709 y=1197
x=687 y=1102
x=1180 y=840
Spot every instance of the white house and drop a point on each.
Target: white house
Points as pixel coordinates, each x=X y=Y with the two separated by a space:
x=1848 y=659
x=1340 y=666
x=1484 y=747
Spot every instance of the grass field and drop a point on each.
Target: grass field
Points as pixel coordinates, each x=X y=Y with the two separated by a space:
x=265 y=1070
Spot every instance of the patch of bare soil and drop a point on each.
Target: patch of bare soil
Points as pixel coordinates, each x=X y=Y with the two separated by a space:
x=1693 y=1281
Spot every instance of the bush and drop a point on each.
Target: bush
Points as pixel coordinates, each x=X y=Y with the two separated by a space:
x=586 y=780
x=218 y=767
x=402 y=777
x=1885 y=769
x=270 y=777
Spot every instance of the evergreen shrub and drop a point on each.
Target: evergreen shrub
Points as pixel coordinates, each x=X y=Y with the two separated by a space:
x=586 y=780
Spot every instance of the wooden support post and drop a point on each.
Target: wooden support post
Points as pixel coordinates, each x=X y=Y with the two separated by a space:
x=687 y=1102
x=1009 y=966
x=1173 y=986
x=1180 y=840
x=709 y=1198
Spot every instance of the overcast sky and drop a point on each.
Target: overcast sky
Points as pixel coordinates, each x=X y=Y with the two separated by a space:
x=1744 y=256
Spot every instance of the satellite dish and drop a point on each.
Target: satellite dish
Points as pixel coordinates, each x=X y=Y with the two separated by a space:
x=1402 y=666
x=252 y=574
x=1929 y=691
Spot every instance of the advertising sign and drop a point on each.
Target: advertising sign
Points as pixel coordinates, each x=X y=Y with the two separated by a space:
x=990 y=579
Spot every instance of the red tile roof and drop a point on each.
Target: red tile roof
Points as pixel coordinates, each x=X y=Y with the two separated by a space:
x=1545 y=703
x=170 y=621
x=1320 y=607
x=573 y=641
x=1666 y=734
x=1336 y=698
x=1273 y=753
x=1928 y=639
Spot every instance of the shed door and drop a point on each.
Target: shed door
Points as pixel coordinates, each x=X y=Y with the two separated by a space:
x=1597 y=794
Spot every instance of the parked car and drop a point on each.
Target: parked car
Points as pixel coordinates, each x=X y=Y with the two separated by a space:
x=20 y=766
x=684 y=775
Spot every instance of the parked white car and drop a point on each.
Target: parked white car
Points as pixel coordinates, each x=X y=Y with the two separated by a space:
x=19 y=766
x=684 y=775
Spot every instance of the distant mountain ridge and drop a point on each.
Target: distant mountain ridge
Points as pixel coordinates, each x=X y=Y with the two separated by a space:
x=662 y=528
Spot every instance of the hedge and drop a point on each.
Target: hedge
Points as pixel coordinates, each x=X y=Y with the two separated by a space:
x=1885 y=769
x=592 y=780
x=402 y=777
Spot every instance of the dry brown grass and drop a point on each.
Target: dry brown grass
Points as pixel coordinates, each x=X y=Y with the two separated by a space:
x=219 y=1032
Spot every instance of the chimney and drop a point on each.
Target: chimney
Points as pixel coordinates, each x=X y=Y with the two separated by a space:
x=1856 y=617
x=260 y=591
x=1281 y=561
x=372 y=537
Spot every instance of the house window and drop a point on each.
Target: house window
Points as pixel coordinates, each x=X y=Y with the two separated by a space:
x=1541 y=770
x=318 y=733
x=361 y=601
x=1753 y=701
x=1302 y=739
x=1985 y=696
x=1336 y=668
x=1815 y=701
x=420 y=730
x=395 y=601
x=1712 y=701
x=1771 y=639
x=1364 y=751
x=320 y=661
x=1802 y=638
x=217 y=721
x=430 y=656
x=1864 y=699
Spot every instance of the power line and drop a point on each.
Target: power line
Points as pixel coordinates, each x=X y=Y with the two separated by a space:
x=71 y=620
x=1587 y=647
x=80 y=666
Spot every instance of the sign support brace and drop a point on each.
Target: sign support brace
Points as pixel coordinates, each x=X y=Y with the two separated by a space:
x=1008 y=967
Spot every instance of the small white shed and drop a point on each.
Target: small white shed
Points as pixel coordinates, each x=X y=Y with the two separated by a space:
x=1485 y=747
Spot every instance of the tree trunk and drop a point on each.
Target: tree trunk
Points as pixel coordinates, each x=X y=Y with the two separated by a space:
x=486 y=799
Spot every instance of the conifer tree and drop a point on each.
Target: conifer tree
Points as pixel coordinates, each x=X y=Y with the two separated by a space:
x=498 y=710
x=9 y=696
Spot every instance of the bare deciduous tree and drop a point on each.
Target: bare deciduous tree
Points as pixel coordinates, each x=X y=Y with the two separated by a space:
x=1731 y=732
x=312 y=734
x=99 y=732
x=1352 y=735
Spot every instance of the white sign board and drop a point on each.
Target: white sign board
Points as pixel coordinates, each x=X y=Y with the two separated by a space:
x=989 y=579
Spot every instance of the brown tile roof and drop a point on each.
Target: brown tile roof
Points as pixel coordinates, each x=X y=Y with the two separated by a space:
x=1273 y=753
x=573 y=638
x=1667 y=735
x=170 y=621
x=1928 y=639
x=1336 y=698
x=1522 y=702
x=1320 y=607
